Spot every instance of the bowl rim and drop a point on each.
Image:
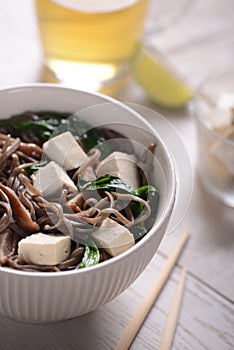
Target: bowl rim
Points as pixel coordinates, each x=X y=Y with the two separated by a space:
x=157 y=224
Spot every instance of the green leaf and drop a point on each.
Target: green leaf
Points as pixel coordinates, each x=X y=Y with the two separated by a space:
x=107 y=182
x=138 y=231
x=32 y=169
x=91 y=256
x=42 y=127
x=37 y=128
x=151 y=195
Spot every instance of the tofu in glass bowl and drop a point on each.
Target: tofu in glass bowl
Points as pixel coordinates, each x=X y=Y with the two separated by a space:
x=215 y=135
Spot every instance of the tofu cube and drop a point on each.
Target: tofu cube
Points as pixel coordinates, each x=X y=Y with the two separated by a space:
x=113 y=237
x=42 y=249
x=51 y=179
x=219 y=118
x=64 y=150
x=122 y=165
x=223 y=152
x=226 y=101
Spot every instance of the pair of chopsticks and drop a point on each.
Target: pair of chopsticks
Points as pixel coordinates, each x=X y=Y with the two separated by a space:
x=149 y=300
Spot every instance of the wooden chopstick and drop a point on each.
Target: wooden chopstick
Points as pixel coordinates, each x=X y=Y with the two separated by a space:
x=149 y=299
x=173 y=315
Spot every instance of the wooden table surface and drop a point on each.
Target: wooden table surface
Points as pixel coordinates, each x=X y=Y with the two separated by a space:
x=202 y=39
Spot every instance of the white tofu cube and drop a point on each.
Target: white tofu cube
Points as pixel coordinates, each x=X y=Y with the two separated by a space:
x=42 y=249
x=122 y=165
x=64 y=150
x=222 y=116
x=226 y=101
x=51 y=179
x=224 y=152
x=113 y=237
x=219 y=118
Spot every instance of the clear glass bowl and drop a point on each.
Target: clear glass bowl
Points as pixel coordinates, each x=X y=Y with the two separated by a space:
x=214 y=109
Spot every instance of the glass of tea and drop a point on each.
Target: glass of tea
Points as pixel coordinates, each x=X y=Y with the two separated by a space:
x=90 y=44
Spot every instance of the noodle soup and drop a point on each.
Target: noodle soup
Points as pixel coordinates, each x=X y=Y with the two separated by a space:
x=55 y=296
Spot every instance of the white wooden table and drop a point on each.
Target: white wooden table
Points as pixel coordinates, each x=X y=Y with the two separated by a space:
x=204 y=38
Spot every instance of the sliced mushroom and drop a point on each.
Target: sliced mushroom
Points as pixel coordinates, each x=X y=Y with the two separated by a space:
x=19 y=212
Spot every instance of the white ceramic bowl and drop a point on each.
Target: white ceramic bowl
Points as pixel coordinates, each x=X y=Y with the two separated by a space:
x=48 y=297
